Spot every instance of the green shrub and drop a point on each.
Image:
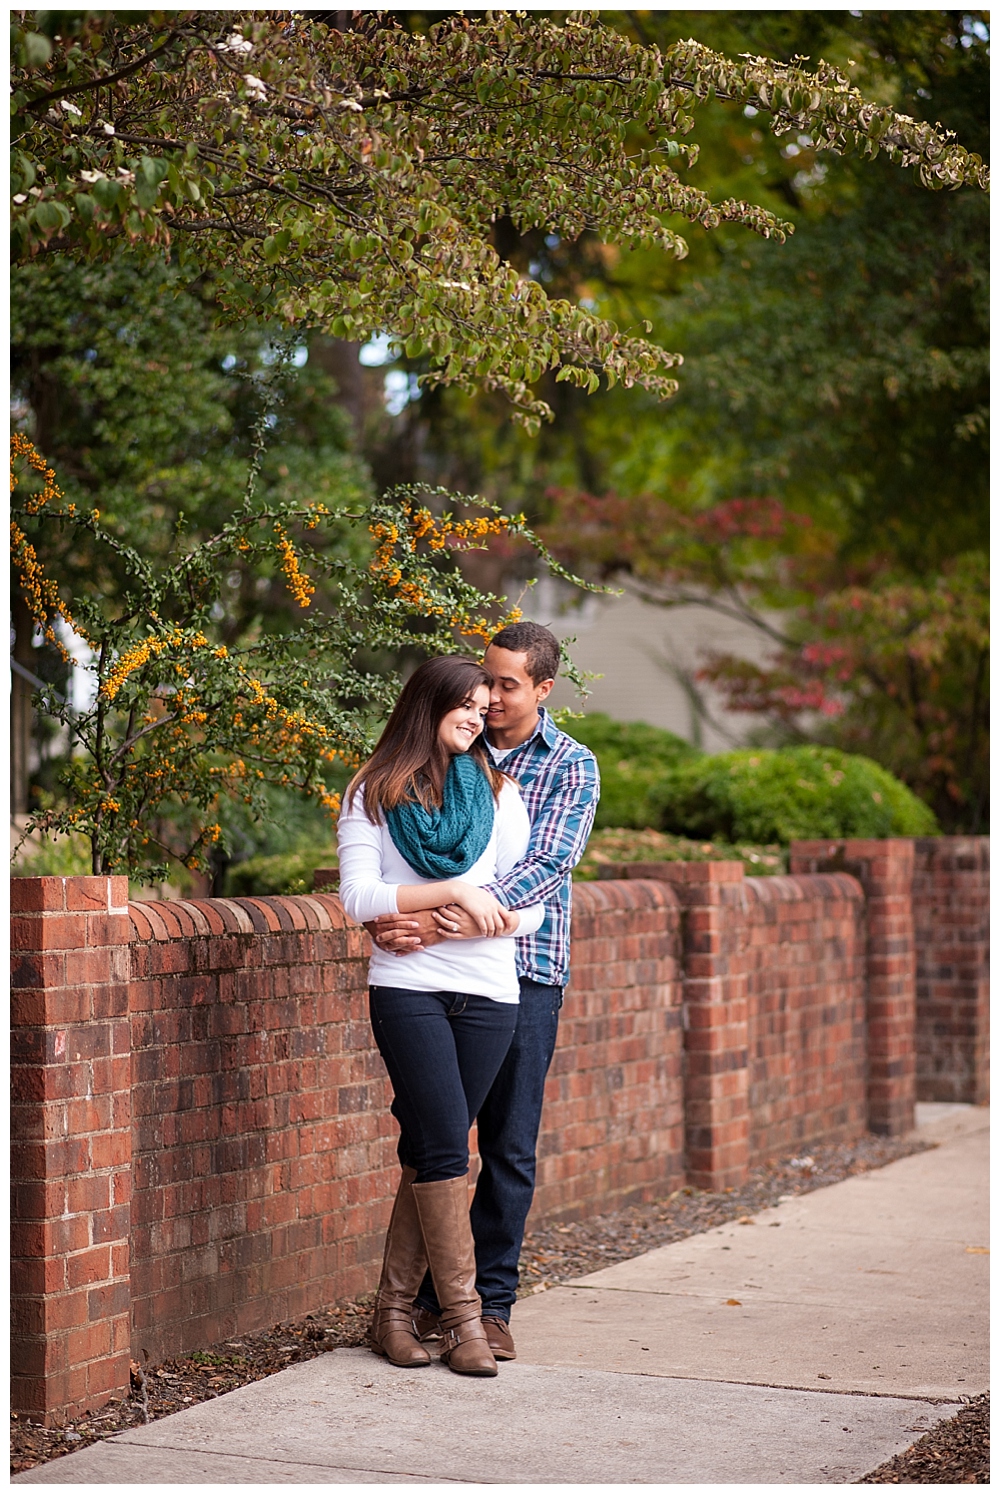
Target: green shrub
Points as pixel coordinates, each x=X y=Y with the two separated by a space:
x=632 y=758
x=67 y=856
x=290 y=872
x=788 y=793
x=607 y=847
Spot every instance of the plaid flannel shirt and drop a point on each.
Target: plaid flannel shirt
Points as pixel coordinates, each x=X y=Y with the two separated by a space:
x=560 y=787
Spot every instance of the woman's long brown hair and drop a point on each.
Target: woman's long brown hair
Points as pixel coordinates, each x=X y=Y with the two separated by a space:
x=409 y=763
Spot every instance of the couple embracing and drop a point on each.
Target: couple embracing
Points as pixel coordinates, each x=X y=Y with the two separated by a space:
x=457 y=841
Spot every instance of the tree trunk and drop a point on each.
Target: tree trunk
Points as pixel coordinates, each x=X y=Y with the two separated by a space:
x=339 y=359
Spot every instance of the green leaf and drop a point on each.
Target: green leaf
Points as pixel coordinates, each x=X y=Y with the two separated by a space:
x=151 y=171
x=51 y=215
x=107 y=192
x=27 y=169
x=37 y=49
x=147 y=182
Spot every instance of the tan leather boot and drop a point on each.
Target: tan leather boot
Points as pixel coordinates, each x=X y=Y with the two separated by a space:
x=444 y=1219
x=426 y=1325
x=403 y=1267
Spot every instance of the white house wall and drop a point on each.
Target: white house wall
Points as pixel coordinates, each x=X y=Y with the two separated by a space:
x=643 y=653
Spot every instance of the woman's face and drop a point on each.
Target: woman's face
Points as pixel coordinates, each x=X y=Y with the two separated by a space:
x=460 y=727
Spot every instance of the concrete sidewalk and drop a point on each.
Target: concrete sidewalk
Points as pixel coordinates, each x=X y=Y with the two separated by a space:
x=808 y=1352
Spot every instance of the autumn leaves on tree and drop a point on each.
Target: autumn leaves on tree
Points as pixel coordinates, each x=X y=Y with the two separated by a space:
x=303 y=179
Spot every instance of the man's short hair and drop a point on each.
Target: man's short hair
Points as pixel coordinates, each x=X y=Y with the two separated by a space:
x=540 y=646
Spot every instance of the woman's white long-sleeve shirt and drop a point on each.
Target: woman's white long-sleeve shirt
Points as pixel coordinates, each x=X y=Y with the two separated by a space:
x=371 y=868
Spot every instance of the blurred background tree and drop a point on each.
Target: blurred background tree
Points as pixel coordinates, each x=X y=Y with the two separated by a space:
x=848 y=364
x=842 y=376
x=145 y=405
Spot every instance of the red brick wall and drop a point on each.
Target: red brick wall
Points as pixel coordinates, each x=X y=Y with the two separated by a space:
x=951 y=930
x=202 y=1141
x=717 y=1123
x=71 y=1143
x=613 y=1124
x=214 y=1058
x=885 y=870
x=264 y=1153
x=774 y=999
x=805 y=964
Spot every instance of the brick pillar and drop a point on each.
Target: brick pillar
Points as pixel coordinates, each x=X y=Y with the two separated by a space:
x=885 y=870
x=71 y=1133
x=951 y=916
x=716 y=1038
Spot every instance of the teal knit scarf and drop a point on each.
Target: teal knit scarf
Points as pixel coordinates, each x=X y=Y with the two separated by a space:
x=445 y=842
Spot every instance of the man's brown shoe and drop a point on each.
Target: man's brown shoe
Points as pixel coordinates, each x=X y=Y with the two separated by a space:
x=426 y=1325
x=499 y=1339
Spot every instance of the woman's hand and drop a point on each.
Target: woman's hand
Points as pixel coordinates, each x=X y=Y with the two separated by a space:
x=487 y=914
x=452 y=922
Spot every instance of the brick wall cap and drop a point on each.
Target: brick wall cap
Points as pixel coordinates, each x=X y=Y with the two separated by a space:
x=150 y=912
x=849 y=848
x=269 y=907
x=190 y=913
x=804 y=887
x=179 y=918
x=297 y=913
x=333 y=908
x=595 y=897
x=189 y=923
x=96 y=894
x=68 y=894
x=714 y=872
x=37 y=894
x=948 y=850
x=142 y=929
x=175 y=921
x=250 y=907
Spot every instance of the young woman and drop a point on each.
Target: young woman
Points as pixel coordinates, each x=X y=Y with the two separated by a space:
x=429 y=822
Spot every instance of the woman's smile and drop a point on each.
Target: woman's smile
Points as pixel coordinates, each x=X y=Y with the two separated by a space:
x=460 y=727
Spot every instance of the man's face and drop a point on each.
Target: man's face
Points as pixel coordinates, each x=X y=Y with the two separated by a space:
x=515 y=698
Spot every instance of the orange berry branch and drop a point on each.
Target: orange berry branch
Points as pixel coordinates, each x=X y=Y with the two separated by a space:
x=182 y=724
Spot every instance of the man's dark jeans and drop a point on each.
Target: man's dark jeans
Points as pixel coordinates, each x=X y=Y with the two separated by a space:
x=442 y=1052
x=508 y=1125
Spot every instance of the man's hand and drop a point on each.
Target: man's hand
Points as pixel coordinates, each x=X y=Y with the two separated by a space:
x=454 y=923
x=402 y=933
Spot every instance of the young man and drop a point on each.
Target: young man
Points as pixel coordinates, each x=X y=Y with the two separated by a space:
x=560 y=786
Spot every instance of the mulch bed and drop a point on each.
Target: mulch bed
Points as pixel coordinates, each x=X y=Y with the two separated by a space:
x=552 y=1253
x=955 y=1452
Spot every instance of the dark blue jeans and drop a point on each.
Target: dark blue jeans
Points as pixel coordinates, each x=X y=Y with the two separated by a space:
x=442 y=1051
x=509 y=1118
